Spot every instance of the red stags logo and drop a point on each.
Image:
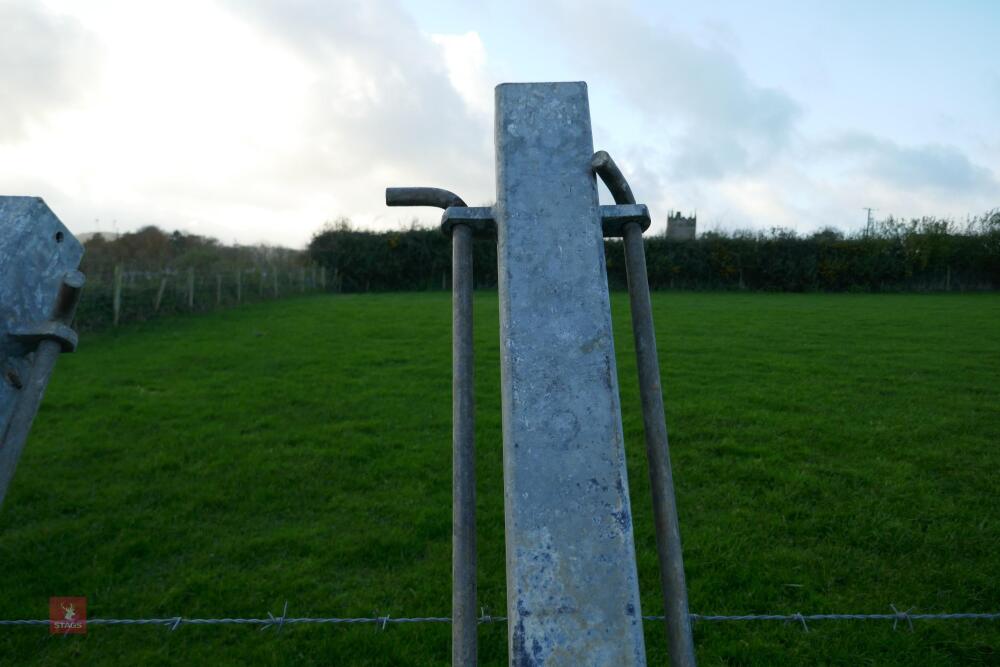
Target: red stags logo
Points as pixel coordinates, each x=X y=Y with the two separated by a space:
x=68 y=616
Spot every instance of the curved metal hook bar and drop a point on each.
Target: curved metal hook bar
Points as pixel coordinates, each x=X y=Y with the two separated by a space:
x=612 y=176
x=422 y=197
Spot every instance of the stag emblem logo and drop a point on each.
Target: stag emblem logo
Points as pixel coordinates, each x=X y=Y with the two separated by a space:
x=68 y=616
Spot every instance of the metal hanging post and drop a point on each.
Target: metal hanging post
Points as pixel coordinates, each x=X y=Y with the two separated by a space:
x=572 y=580
x=463 y=568
x=39 y=291
x=668 y=536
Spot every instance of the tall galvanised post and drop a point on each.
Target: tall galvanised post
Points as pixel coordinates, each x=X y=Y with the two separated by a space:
x=572 y=590
x=572 y=586
x=39 y=290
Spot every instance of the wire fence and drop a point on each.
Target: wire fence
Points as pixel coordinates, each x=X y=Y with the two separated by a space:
x=119 y=294
x=383 y=622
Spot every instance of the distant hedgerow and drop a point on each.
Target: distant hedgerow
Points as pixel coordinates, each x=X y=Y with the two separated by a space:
x=922 y=254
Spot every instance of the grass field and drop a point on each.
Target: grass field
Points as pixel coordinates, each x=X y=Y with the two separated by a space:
x=832 y=453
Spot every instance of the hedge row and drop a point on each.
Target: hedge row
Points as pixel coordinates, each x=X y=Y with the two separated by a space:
x=920 y=255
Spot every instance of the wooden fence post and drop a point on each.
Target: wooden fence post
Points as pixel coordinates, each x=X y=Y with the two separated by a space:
x=263 y=277
x=159 y=294
x=322 y=278
x=116 y=299
x=276 y=283
x=191 y=288
x=218 y=289
x=302 y=279
x=239 y=286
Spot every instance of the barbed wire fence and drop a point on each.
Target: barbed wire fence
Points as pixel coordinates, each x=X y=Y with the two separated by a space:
x=897 y=617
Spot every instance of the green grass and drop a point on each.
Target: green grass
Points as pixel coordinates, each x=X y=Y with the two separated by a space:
x=832 y=453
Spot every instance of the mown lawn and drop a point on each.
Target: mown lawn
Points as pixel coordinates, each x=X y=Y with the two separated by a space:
x=833 y=453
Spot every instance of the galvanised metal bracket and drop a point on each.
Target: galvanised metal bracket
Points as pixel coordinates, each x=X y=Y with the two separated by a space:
x=482 y=220
x=484 y=225
x=39 y=290
x=478 y=218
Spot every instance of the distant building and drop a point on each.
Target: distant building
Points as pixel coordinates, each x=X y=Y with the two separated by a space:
x=681 y=228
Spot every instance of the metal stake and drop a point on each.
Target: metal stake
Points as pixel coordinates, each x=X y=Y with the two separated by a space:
x=668 y=535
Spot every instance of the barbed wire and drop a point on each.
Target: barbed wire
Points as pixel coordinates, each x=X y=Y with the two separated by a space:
x=382 y=622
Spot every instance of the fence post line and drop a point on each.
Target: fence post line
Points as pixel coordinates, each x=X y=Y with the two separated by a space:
x=263 y=278
x=116 y=298
x=276 y=283
x=239 y=286
x=190 y=286
x=302 y=280
x=218 y=289
x=322 y=278
x=159 y=294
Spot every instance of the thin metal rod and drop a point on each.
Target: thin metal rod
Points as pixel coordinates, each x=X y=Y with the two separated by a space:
x=463 y=595
x=422 y=197
x=668 y=535
x=613 y=177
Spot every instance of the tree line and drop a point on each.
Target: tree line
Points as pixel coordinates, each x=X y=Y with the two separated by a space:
x=151 y=249
x=893 y=255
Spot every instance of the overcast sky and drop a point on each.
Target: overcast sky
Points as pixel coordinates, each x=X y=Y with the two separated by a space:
x=258 y=121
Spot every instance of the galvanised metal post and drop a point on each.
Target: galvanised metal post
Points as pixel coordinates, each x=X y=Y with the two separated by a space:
x=572 y=585
x=39 y=291
x=572 y=591
x=668 y=537
x=463 y=569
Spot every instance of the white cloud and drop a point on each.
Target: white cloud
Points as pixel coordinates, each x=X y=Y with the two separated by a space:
x=465 y=59
x=256 y=120
x=696 y=99
x=44 y=62
x=929 y=166
x=249 y=121
x=710 y=138
x=384 y=108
